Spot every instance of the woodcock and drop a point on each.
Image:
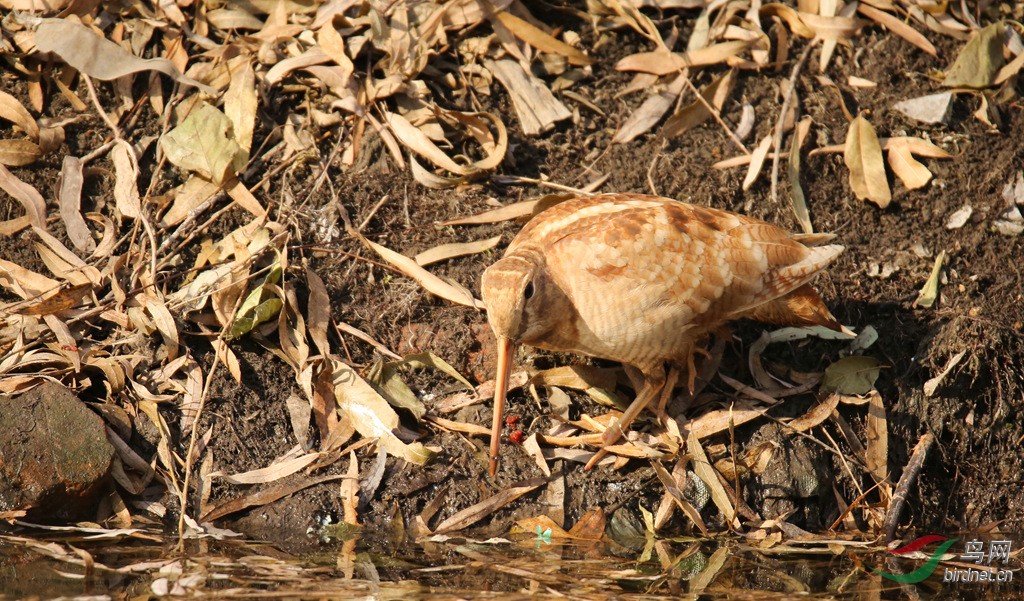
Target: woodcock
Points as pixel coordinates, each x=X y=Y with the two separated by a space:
x=640 y=279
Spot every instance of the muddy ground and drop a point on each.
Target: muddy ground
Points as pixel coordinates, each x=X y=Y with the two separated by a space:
x=973 y=475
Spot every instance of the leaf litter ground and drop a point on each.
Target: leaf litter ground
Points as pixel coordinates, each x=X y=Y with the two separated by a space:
x=969 y=481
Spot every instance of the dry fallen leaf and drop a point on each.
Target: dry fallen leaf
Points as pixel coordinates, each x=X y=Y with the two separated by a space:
x=536 y=107
x=911 y=172
x=83 y=49
x=757 y=161
x=204 y=143
x=930 y=292
x=650 y=112
x=443 y=252
x=19 y=152
x=12 y=110
x=696 y=113
x=876 y=455
x=979 y=60
x=863 y=156
x=851 y=375
x=371 y=415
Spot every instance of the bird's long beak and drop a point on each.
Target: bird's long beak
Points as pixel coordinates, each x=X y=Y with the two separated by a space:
x=505 y=352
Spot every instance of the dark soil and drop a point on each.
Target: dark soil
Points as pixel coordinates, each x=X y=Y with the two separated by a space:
x=972 y=477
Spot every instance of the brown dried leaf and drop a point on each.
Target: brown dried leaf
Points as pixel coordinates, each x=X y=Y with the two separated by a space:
x=204 y=143
x=19 y=152
x=371 y=415
x=863 y=156
x=474 y=513
x=541 y=40
x=69 y=197
x=443 y=252
x=126 y=186
x=80 y=47
x=12 y=110
x=816 y=414
x=793 y=168
x=696 y=113
x=757 y=161
x=240 y=104
x=661 y=62
x=650 y=112
x=704 y=470
x=429 y=281
x=29 y=197
x=897 y=26
x=187 y=198
x=912 y=173
x=319 y=311
x=980 y=60
x=536 y=107
x=876 y=455
x=280 y=468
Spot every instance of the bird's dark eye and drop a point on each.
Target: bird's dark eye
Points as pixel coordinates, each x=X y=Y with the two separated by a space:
x=528 y=291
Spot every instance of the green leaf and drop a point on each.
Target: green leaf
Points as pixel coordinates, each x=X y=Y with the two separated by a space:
x=851 y=375
x=979 y=61
x=261 y=313
x=389 y=383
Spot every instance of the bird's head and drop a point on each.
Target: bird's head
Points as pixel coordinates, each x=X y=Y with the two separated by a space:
x=519 y=296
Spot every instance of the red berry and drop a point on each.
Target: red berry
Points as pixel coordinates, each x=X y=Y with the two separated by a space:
x=511 y=420
x=517 y=436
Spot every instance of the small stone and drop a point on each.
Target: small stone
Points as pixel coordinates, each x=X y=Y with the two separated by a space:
x=54 y=454
x=931 y=109
x=959 y=217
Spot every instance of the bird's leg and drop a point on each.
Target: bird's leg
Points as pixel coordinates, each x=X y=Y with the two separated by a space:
x=653 y=382
x=666 y=391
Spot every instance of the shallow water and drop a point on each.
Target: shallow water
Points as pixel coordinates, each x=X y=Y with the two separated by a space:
x=142 y=565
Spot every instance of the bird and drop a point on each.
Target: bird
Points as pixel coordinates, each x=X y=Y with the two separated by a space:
x=640 y=279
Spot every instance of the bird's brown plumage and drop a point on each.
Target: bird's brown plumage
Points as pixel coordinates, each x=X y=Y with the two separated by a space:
x=638 y=279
